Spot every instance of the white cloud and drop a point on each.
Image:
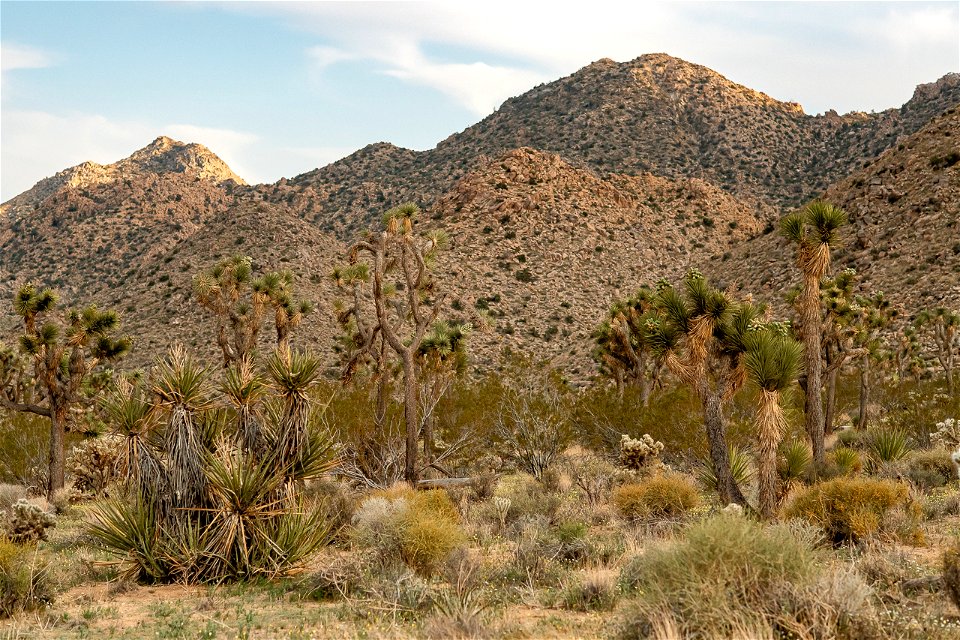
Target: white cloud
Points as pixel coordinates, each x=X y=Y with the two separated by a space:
x=482 y=53
x=324 y=57
x=14 y=56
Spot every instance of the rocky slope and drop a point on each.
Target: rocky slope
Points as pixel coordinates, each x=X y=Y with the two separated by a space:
x=655 y=114
x=564 y=199
x=903 y=235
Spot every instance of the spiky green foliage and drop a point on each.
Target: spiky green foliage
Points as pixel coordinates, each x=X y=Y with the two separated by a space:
x=888 y=444
x=773 y=361
x=623 y=343
x=795 y=460
x=131 y=414
x=65 y=357
x=702 y=335
x=815 y=232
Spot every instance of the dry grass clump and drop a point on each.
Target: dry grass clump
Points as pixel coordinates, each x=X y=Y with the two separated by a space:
x=730 y=574
x=668 y=495
x=418 y=528
x=23 y=579
x=951 y=572
x=10 y=494
x=848 y=509
x=593 y=589
x=519 y=497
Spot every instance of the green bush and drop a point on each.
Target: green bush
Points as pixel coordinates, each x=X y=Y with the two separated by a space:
x=24 y=583
x=724 y=566
x=848 y=509
x=668 y=495
x=795 y=460
x=418 y=528
x=926 y=468
x=846 y=460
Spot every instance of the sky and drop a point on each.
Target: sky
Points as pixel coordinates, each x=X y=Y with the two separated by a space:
x=277 y=89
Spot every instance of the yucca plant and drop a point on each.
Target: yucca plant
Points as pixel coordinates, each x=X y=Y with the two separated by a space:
x=245 y=389
x=132 y=532
x=180 y=387
x=130 y=412
x=795 y=460
x=847 y=460
x=888 y=444
x=294 y=373
x=772 y=363
x=741 y=469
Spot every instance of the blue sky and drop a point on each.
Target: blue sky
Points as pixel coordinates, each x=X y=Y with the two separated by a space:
x=277 y=89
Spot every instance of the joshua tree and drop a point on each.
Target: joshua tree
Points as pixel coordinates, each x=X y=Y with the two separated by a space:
x=441 y=358
x=623 y=350
x=772 y=362
x=874 y=314
x=701 y=335
x=908 y=354
x=239 y=302
x=839 y=331
x=814 y=229
x=400 y=287
x=943 y=325
x=62 y=364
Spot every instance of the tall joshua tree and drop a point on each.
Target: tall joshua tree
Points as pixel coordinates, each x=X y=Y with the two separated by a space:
x=839 y=332
x=874 y=315
x=772 y=362
x=943 y=325
x=623 y=349
x=814 y=230
x=64 y=358
x=401 y=290
x=240 y=302
x=701 y=334
x=441 y=358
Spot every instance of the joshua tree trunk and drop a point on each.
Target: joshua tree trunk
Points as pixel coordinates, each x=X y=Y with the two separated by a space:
x=719 y=457
x=813 y=401
x=864 y=392
x=410 y=418
x=58 y=429
x=771 y=425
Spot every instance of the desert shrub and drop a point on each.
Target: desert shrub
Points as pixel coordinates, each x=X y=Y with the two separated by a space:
x=333 y=497
x=668 y=495
x=93 y=464
x=951 y=572
x=460 y=609
x=24 y=583
x=887 y=445
x=725 y=568
x=521 y=496
x=418 y=528
x=853 y=438
x=591 y=590
x=848 y=509
x=926 y=468
x=10 y=494
x=591 y=474
x=637 y=453
x=25 y=522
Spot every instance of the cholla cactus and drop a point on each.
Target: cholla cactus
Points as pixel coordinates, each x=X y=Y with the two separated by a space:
x=955 y=456
x=947 y=434
x=502 y=507
x=93 y=464
x=27 y=522
x=636 y=454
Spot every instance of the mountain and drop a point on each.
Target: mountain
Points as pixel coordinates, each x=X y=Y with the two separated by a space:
x=903 y=235
x=655 y=114
x=566 y=198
